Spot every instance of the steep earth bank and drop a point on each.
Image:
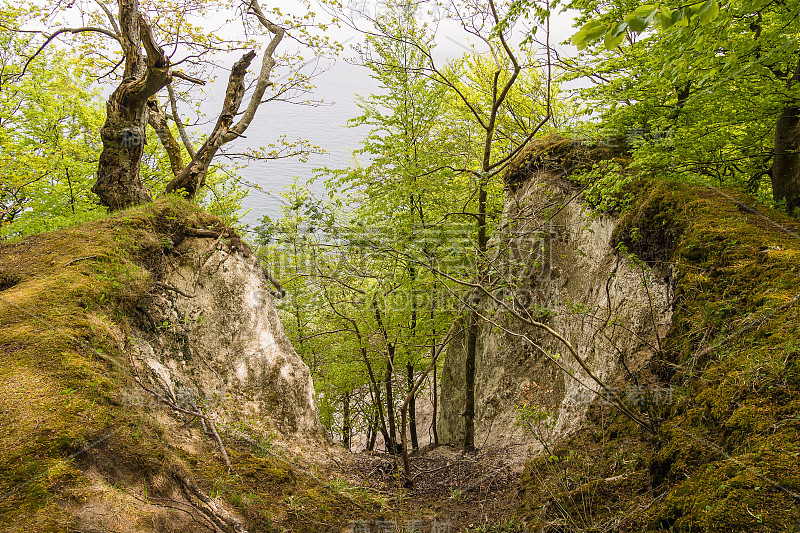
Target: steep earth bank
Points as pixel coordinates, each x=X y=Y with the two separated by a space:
x=140 y=355
x=698 y=333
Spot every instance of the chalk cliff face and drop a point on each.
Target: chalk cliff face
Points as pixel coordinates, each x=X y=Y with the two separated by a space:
x=211 y=339
x=563 y=266
x=143 y=363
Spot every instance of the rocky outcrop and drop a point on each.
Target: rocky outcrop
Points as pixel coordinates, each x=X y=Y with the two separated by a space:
x=210 y=339
x=562 y=266
x=148 y=384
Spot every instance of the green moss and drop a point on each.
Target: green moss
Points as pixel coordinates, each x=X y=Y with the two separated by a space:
x=727 y=453
x=65 y=379
x=554 y=153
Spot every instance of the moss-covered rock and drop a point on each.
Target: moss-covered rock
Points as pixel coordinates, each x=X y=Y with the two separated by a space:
x=727 y=453
x=76 y=452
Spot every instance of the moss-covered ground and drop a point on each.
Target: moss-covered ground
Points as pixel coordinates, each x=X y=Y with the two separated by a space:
x=726 y=456
x=72 y=446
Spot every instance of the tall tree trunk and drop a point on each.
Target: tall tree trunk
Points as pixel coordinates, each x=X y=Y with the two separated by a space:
x=469 y=381
x=372 y=432
x=412 y=408
x=435 y=400
x=391 y=446
x=786 y=161
x=346 y=420
x=376 y=393
x=412 y=404
x=474 y=320
x=434 y=428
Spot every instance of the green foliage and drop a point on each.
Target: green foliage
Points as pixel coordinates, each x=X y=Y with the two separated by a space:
x=640 y=19
x=379 y=271
x=607 y=186
x=698 y=88
x=49 y=131
x=694 y=89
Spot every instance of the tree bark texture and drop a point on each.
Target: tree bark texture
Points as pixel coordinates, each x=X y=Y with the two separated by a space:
x=131 y=107
x=412 y=408
x=786 y=161
x=123 y=134
x=346 y=420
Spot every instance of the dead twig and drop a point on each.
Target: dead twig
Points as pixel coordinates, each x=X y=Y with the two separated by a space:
x=162 y=285
x=211 y=426
x=219 y=516
x=83 y=259
x=202 y=232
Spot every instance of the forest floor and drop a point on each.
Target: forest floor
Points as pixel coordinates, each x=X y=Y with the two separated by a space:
x=453 y=490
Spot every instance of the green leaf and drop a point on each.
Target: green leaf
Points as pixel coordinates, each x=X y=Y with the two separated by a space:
x=588 y=33
x=646 y=12
x=618 y=30
x=615 y=35
x=636 y=24
x=708 y=11
x=665 y=14
x=680 y=18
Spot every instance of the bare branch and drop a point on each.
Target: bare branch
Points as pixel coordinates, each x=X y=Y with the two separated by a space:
x=158 y=121
x=110 y=17
x=192 y=177
x=263 y=81
x=173 y=102
x=66 y=30
x=181 y=75
x=197 y=414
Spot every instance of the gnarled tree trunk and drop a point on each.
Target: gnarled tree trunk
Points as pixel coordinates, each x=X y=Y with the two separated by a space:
x=118 y=183
x=132 y=106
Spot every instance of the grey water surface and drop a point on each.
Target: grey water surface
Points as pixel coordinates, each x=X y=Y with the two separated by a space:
x=322 y=125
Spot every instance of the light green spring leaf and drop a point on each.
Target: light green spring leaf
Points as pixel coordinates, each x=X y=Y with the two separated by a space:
x=636 y=24
x=708 y=11
x=665 y=15
x=588 y=33
x=615 y=35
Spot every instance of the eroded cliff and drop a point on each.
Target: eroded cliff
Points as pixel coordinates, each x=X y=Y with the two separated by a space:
x=562 y=266
x=147 y=384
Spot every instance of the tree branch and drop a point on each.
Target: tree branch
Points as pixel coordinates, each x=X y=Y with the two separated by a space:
x=173 y=102
x=158 y=121
x=197 y=414
x=263 y=81
x=110 y=17
x=158 y=72
x=193 y=175
x=181 y=75
x=66 y=30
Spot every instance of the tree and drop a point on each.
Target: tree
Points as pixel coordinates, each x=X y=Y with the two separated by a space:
x=406 y=186
x=721 y=81
x=147 y=69
x=488 y=113
x=48 y=131
x=476 y=136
